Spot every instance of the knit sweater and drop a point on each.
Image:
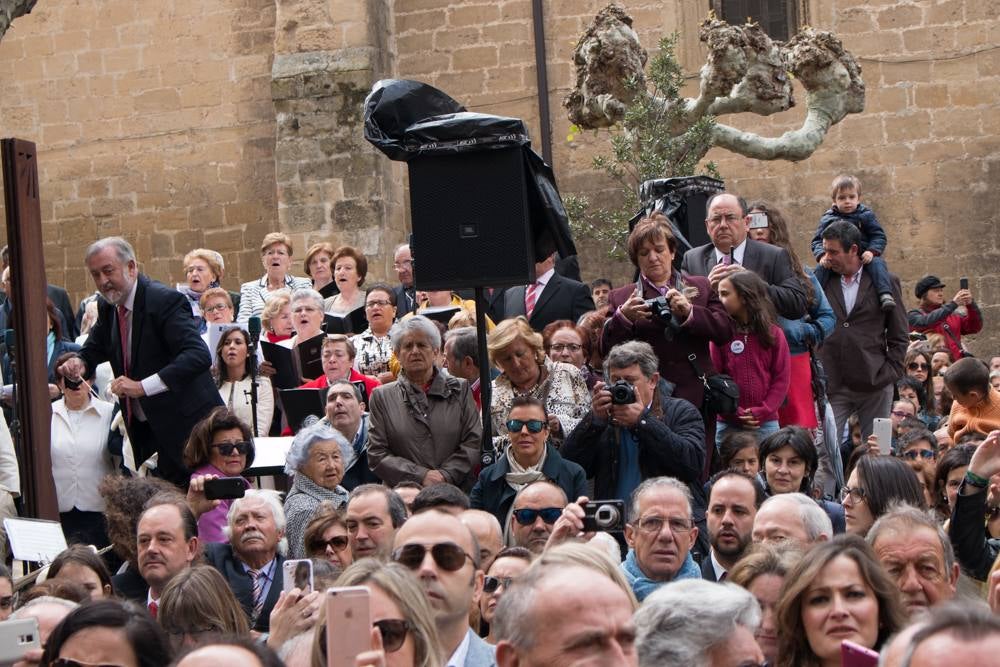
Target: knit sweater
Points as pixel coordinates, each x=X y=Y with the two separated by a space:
x=762 y=373
x=983 y=418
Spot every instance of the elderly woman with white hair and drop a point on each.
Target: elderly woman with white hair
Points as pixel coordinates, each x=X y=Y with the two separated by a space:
x=317 y=459
x=698 y=623
x=424 y=426
x=307 y=316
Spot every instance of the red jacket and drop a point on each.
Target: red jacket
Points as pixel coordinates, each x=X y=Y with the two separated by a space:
x=321 y=382
x=948 y=324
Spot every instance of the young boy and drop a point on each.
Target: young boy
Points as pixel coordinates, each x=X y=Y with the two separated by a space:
x=977 y=405
x=846 y=195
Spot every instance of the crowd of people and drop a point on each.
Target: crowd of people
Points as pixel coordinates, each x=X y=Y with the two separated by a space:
x=735 y=459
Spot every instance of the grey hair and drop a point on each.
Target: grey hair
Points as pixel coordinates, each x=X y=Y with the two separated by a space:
x=903 y=516
x=630 y=353
x=968 y=621
x=539 y=482
x=815 y=521
x=122 y=248
x=269 y=497
x=466 y=343
x=302 y=444
x=654 y=483
x=304 y=293
x=411 y=325
x=680 y=622
x=21 y=612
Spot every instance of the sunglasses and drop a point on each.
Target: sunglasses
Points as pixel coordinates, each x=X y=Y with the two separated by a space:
x=492 y=584
x=448 y=556
x=393 y=631
x=534 y=425
x=526 y=517
x=69 y=662
x=900 y=414
x=338 y=543
x=914 y=454
x=227 y=448
x=6 y=602
x=914 y=366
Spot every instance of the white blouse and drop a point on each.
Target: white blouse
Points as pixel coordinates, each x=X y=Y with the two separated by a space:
x=80 y=457
x=236 y=396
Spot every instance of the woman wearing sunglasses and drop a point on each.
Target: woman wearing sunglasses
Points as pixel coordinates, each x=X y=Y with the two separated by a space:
x=220 y=445
x=400 y=613
x=529 y=457
x=509 y=564
x=107 y=632
x=326 y=537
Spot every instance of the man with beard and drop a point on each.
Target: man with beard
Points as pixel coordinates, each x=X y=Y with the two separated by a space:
x=442 y=553
x=732 y=505
x=252 y=560
x=536 y=508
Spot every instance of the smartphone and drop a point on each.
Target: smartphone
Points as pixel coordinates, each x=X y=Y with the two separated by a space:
x=297 y=574
x=225 y=488
x=963 y=283
x=853 y=655
x=348 y=624
x=882 y=429
x=17 y=638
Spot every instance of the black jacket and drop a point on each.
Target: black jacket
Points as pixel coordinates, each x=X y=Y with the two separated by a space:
x=221 y=557
x=974 y=549
x=671 y=441
x=493 y=494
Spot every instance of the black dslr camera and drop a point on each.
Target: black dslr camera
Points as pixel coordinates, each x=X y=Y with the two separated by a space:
x=622 y=393
x=604 y=515
x=660 y=310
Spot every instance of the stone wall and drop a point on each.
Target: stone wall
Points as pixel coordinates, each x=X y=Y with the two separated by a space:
x=179 y=126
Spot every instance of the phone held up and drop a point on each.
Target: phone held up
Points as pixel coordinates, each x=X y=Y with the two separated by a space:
x=225 y=488
x=348 y=624
x=297 y=574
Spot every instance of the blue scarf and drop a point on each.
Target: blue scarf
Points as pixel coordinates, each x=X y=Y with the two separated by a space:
x=642 y=586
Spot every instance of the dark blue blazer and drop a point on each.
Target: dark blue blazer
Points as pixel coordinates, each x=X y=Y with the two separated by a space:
x=221 y=557
x=493 y=494
x=165 y=340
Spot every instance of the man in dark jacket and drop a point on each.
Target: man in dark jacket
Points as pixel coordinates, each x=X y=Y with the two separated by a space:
x=623 y=442
x=252 y=560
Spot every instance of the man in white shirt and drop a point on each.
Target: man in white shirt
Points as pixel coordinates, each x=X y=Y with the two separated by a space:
x=442 y=553
x=167 y=544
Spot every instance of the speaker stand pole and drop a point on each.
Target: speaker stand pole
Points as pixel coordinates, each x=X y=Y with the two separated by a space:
x=485 y=385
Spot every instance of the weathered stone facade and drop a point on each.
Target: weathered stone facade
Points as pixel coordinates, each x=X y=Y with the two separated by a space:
x=181 y=124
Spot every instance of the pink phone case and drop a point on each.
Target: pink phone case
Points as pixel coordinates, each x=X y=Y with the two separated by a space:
x=853 y=655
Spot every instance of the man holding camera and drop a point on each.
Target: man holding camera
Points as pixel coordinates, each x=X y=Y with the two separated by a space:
x=635 y=430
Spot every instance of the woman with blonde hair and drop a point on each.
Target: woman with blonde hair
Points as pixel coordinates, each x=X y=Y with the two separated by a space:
x=399 y=610
x=276 y=317
x=198 y=603
x=518 y=351
x=762 y=572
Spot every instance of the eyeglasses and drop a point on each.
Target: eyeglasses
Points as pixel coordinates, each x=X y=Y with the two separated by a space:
x=393 y=631
x=6 y=602
x=728 y=219
x=380 y=303
x=914 y=366
x=526 y=517
x=338 y=543
x=654 y=524
x=857 y=494
x=227 y=448
x=217 y=307
x=448 y=556
x=69 y=662
x=900 y=414
x=405 y=262
x=914 y=454
x=560 y=347
x=534 y=425
x=492 y=584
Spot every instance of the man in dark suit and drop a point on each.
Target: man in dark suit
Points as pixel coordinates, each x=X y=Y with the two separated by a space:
x=863 y=356
x=252 y=560
x=163 y=380
x=406 y=296
x=730 y=250
x=733 y=499
x=551 y=297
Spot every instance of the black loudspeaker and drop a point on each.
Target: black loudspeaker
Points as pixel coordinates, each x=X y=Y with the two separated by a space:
x=471 y=220
x=692 y=221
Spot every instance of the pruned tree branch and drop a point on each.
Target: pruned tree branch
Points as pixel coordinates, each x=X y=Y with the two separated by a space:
x=745 y=72
x=11 y=9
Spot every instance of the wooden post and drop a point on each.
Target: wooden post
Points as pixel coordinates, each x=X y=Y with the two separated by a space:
x=28 y=294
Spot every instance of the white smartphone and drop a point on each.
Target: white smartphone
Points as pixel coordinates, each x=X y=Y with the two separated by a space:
x=17 y=638
x=297 y=574
x=882 y=429
x=348 y=624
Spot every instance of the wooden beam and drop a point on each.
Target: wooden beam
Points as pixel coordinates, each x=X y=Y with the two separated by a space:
x=27 y=266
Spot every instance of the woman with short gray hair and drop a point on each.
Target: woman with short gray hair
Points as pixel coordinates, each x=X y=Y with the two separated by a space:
x=424 y=427
x=690 y=623
x=307 y=316
x=317 y=458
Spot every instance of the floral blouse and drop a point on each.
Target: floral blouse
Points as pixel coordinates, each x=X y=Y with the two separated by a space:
x=373 y=353
x=564 y=393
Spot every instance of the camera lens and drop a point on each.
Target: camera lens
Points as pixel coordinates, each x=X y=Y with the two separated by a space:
x=606 y=516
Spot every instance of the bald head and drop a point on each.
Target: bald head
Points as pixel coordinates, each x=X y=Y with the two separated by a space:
x=488 y=533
